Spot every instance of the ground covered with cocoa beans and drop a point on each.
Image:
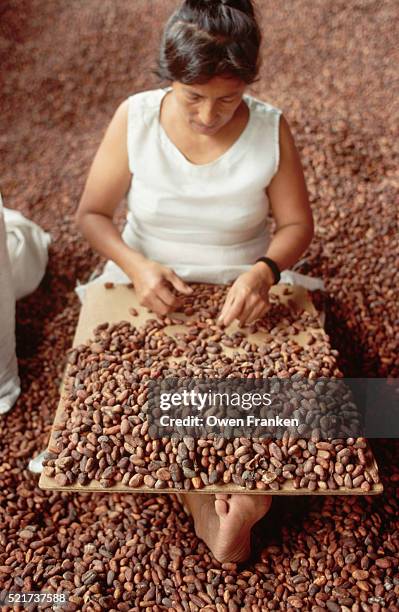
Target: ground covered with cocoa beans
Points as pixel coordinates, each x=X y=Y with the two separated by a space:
x=330 y=67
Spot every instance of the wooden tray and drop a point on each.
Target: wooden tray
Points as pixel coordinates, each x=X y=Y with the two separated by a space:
x=112 y=305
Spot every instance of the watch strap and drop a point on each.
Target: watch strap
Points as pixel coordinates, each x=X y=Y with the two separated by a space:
x=273 y=266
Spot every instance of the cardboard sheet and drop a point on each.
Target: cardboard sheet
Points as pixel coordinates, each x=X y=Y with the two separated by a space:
x=112 y=305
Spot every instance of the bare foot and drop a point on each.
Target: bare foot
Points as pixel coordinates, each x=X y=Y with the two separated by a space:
x=224 y=522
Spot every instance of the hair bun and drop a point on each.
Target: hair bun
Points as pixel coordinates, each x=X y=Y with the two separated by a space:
x=245 y=6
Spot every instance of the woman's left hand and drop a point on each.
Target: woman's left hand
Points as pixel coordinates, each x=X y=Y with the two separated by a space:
x=248 y=297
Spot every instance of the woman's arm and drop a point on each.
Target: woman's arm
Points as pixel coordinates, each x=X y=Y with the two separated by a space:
x=289 y=202
x=108 y=181
x=247 y=299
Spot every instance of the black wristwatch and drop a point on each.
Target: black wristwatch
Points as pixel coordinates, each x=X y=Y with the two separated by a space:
x=273 y=267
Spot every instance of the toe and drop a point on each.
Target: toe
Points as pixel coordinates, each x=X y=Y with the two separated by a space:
x=253 y=507
x=262 y=505
x=221 y=507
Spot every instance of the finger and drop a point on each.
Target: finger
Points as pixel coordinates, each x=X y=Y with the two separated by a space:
x=159 y=291
x=226 y=307
x=155 y=304
x=178 y=284
x=265 y=310
x=234 y=311
x=264 y=307
x=228 y=302
x=250 y=304
x=256 y=313
x=165 y=294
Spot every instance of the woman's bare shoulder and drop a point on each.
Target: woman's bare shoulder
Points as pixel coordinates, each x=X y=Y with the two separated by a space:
x=121 y=114
x=136 y=104
x=115 y=135
x=285 y=135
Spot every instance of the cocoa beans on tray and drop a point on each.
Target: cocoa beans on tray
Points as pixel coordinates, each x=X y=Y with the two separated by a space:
x=104 y=432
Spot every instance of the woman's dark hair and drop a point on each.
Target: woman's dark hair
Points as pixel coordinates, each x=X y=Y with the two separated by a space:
x=207 y=38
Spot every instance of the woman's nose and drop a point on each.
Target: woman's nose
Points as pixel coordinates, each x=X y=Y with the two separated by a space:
x=208 y=114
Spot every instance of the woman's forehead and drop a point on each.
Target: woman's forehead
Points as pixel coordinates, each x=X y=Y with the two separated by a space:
x=216 y=87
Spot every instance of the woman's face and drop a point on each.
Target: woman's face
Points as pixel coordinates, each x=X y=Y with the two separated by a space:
x=208 y=107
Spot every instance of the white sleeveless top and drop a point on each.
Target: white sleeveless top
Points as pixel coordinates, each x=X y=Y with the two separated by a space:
x=208 y=222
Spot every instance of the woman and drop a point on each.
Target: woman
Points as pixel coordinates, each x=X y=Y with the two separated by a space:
x=201 y=162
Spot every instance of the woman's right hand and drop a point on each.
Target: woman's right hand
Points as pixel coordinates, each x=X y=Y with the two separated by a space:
x=156 y=286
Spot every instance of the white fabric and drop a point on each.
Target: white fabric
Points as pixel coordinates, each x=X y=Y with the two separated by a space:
x=27 y=247
x=208 y=222
x=35 y=464
x=23 y=260
x=9 y=380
